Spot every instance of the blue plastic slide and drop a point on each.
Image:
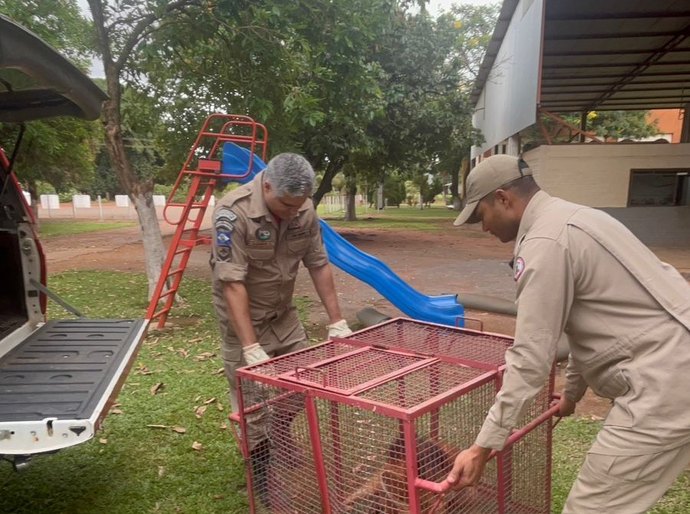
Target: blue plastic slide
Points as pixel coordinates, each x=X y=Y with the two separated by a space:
x=437 y=309
x=443 y=309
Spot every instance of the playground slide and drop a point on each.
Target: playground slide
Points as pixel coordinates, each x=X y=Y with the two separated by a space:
x=436 y=309
x=443 y=309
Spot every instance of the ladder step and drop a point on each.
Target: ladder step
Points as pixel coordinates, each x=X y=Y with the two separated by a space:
x=159 y=313
x=209 y=165
x=188 y=245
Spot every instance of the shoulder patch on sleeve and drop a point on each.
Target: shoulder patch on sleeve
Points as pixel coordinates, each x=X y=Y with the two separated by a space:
x=518 y=268
x=224 y=219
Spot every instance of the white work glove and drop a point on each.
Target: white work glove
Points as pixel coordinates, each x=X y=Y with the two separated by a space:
x=254 y=354
x=339 y=329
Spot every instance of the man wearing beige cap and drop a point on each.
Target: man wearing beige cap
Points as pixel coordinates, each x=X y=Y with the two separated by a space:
x=627 y=316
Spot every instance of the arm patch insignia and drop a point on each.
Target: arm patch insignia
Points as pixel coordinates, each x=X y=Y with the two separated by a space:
x=223 y=239
x=224 y=220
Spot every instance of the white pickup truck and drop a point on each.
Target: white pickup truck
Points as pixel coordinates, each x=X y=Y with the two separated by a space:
x=58 y=378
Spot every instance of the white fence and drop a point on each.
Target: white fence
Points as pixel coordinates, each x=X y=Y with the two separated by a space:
x=335 y=202
x=83 y=207
x=50 y=202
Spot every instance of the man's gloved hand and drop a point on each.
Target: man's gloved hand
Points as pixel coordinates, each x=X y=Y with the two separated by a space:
x=254 y=354
x=339 y=329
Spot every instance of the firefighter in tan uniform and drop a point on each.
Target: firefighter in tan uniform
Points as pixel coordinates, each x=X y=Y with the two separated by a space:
x=627 y=317
x=261 y=233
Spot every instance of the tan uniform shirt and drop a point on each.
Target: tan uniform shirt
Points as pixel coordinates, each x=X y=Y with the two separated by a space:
x=251 y=246
x=627 y=316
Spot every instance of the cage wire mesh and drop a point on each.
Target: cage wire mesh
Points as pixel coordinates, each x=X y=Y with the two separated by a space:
x=353 y=425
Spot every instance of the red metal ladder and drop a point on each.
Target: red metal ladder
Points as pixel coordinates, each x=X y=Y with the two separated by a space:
x=201 y=173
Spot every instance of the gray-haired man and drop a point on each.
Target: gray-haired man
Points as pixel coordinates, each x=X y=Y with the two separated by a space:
x=261 y=232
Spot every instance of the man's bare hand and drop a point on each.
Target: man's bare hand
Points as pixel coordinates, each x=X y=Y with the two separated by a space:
x=468 y=467
x=565 y=407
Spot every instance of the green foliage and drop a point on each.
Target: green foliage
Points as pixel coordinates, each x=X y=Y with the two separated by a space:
x=360 y=81
x=58 y=151
x=621 y=124
x=394 y=190
x=608 y=125
x=426 y=127
x=430 y=190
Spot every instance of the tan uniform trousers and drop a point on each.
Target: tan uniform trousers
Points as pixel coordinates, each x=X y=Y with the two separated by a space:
x=625 y=484
x=264 y=423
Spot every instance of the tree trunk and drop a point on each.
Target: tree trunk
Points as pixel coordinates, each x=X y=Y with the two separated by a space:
x=460 y=171
x=325 y=186
x=139 y=192
x=35 y=204
x=154 y=250
x=350 y=208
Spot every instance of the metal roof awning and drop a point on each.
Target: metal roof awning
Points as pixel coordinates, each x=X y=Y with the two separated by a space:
x=611 y=55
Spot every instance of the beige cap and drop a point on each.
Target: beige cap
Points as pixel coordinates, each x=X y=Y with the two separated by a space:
x=489 y=175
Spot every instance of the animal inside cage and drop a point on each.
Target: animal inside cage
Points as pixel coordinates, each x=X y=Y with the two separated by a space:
x=372 y=424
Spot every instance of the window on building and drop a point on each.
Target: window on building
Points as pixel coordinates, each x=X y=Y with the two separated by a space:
x=659 y=187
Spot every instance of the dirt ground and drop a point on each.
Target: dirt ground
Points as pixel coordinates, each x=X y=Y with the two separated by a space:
x=460 y=260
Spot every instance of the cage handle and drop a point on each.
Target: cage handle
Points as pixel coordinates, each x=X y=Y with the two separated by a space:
x=315 y=370
x=464 y=318
x=441 y=488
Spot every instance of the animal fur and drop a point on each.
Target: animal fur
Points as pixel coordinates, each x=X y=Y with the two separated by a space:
x=386 y=491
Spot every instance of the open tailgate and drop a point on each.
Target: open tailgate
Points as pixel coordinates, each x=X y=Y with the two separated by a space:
x=58 y=384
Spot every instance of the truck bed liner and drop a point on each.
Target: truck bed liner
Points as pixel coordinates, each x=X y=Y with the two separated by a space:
x=64 y=368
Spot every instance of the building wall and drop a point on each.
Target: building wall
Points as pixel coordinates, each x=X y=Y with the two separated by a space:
x=598 y=175
x=669 y=121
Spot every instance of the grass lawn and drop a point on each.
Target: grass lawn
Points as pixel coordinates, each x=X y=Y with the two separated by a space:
x=173 y=451
x=50 y=228
x=438 y=217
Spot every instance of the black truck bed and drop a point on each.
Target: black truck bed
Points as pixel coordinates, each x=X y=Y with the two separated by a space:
x=64 y=368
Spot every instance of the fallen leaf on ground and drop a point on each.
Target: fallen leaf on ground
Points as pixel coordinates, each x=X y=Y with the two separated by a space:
x=103 y=440
x=197 y=446
x=179 y=430
x=155 y=389
x=209 y=401
x=156 y=426
x=115 y=411
x=200 y=411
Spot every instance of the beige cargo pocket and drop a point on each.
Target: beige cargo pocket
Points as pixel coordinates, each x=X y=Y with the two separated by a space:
x=299 y=246
x=612 y=384
x=256 y=256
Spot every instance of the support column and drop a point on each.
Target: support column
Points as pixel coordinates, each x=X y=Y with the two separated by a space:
x=685 y=133
x=513 y=145
x=583 y=126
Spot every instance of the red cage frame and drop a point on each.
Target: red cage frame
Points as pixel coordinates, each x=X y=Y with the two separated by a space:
x=378 y=358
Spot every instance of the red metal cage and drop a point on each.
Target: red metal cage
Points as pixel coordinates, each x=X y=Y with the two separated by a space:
x=372 y=423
